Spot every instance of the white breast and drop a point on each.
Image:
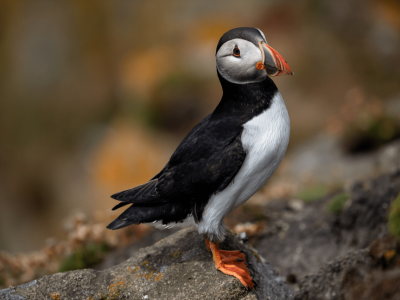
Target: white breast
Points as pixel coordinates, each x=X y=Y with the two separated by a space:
x=265 y=139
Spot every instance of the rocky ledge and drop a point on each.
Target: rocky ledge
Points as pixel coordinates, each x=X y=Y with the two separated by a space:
x=177 y=267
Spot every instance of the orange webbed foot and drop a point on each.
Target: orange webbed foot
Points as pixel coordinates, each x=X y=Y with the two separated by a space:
x=231 y=263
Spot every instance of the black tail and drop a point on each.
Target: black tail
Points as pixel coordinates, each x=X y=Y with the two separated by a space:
x=147 y=206
x=166 y=213
x=143 y=193
x=139 y=194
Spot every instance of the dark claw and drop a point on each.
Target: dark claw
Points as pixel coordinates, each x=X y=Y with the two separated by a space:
x=242 y=251
x=238 y=259
x=247 y=287
x=255 y=283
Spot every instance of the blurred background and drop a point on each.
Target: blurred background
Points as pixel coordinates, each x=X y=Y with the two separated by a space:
x=95 y=95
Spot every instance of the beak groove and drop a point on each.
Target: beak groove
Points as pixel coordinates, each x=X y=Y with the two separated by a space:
x=274 y=63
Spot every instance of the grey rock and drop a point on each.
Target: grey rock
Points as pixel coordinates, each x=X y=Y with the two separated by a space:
x=122 y=254
x=298 y=242
x=9 y=294
x=330 y=280
x=177 y=267
x=363 y=274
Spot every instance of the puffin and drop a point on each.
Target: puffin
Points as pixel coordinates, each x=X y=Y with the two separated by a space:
x=226 y=157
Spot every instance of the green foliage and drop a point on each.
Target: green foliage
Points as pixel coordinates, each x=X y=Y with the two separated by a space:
x=337 y=203
x=394 y=217
x=85 y=257
x=313 y=193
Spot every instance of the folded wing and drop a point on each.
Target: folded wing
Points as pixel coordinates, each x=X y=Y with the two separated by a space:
x=203 y=164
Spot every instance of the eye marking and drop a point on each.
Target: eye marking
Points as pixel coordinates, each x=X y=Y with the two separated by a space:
x=236 y=52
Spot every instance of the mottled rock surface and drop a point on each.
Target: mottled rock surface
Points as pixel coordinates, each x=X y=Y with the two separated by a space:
x=372 y=274
x=328 y=282
x=298 y=240
x=178 y=267
x=124 y=253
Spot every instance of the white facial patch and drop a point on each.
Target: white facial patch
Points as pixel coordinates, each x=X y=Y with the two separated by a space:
x=241 y=69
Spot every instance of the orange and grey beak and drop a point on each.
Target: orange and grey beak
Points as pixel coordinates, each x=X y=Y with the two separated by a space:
x=272 y=61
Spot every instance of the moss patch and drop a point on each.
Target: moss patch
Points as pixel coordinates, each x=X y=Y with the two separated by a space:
x=394 y=217
x=85 y=257
x=337 y=203
x=313 y=193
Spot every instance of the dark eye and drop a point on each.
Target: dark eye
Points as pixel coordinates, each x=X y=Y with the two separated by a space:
x=236 y=52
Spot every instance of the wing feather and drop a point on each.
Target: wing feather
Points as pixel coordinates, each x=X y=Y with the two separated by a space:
x=204 y=163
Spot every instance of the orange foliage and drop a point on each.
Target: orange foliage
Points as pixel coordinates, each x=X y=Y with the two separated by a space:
x=389 y=11
x=127 y=157
x=142 y=70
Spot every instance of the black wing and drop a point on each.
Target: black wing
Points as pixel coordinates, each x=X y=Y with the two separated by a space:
x=198 y=179
x=204 y=163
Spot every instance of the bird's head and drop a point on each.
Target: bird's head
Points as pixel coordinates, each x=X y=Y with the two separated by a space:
x=243 y=56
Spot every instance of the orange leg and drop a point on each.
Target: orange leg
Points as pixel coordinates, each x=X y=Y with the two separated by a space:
x=208 y=245
x=231 y=263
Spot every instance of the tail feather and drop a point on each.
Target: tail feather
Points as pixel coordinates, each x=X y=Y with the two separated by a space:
x=147 y=207
x=139 y=194
x=119 y=205
x=134 y=215
x=166 y=212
